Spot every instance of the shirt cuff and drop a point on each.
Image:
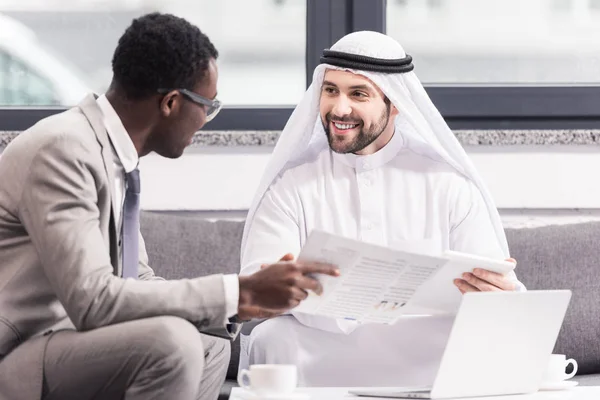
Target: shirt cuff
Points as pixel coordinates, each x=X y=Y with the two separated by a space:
x=232 y=294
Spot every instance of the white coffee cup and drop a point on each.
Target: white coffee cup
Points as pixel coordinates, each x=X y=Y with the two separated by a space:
x=269 y=379
x=557 y=366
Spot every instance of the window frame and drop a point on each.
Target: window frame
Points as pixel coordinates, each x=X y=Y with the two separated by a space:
x=463 y=107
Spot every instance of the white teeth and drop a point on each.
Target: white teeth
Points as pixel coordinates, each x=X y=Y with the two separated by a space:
x=344 y=126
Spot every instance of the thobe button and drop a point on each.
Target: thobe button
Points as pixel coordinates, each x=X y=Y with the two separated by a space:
x=367 y=182
x=369 y=226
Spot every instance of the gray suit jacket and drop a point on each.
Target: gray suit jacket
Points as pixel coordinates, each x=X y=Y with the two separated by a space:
x=58 y=250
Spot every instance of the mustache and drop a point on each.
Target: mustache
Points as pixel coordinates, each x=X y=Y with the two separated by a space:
x=346 y=120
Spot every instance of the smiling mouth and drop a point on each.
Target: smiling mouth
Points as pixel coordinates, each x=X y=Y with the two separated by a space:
x=344 y=126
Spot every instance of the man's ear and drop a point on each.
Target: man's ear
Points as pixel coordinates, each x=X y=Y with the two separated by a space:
x=169 y=103
x=393 y=110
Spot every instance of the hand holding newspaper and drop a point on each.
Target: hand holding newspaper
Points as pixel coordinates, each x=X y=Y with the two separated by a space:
x=380 y=284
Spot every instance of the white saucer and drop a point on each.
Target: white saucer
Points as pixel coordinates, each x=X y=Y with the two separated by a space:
x=562 y=385
x=247 y=395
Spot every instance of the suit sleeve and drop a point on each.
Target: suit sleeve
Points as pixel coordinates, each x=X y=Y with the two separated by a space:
x=59 y=210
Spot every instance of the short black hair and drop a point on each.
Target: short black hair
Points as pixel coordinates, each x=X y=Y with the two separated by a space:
x=160 y=51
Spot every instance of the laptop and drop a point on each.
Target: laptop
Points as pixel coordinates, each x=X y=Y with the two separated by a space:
x=500 y=344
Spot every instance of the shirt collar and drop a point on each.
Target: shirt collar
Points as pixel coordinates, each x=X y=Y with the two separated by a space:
x=118 y=135
x=375 y=160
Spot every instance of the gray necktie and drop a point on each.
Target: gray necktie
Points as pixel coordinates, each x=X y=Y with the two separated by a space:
x=131 y=224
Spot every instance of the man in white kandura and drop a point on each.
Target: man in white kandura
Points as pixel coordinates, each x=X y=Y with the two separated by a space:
x=367 y=155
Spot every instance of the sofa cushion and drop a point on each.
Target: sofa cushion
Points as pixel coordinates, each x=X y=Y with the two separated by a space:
x=566 y=257
x=188 y=246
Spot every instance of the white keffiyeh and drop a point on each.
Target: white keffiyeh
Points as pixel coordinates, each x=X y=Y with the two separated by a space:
x=419 y=122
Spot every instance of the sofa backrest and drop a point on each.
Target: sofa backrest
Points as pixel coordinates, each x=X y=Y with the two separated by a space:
x=552 y=257
x=189 y=246
x=566 y=257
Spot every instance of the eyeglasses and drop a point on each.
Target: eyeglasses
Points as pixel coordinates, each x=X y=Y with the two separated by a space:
x=212 y=107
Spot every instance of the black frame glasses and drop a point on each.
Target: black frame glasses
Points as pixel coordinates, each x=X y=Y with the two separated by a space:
x=212 y=107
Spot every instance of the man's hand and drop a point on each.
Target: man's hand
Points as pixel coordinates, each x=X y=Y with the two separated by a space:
x=481 y=280
x=276 y=288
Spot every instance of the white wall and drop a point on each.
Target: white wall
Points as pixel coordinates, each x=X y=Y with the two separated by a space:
x=531 y=185
x=546 y=177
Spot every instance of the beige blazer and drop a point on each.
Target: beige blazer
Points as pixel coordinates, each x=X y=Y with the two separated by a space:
x=58 y=250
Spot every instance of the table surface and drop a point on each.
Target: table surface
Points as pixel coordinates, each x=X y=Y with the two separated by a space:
x=326 y=393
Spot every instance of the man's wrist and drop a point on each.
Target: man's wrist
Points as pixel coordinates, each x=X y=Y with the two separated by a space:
x=245 y=294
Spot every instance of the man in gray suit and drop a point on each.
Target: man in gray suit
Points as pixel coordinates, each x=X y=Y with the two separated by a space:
x=82 y=315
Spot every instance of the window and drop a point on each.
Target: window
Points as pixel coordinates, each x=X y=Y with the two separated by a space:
x=20 y=85
x=499 y=42
x=505 y=64
x=485 y=63
x=261 y=42
x=261 y=46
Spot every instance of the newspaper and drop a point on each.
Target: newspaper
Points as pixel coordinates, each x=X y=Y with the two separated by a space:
x=379 y=284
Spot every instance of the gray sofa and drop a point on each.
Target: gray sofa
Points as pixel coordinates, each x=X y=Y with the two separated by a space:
x=551 y=257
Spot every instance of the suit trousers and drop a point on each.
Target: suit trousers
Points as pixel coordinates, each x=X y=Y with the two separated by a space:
x=151 y=359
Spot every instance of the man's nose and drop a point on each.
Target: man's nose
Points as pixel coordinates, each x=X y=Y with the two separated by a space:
x=342 y=107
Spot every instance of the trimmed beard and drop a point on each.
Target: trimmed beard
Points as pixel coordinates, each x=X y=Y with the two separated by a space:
x=364 y=137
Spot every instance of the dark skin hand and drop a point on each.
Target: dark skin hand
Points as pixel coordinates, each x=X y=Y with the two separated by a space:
x=279 y=287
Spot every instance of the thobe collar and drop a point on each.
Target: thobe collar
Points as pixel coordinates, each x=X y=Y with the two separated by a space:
x=372 y=161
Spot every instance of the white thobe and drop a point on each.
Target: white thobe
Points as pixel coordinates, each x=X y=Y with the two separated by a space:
x=394 y=197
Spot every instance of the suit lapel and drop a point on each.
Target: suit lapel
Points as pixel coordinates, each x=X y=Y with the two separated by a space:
x=90 y=109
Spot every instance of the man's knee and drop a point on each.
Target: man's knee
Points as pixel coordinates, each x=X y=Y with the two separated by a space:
x=271 y=329
x=271 y=337
x=176 y=340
